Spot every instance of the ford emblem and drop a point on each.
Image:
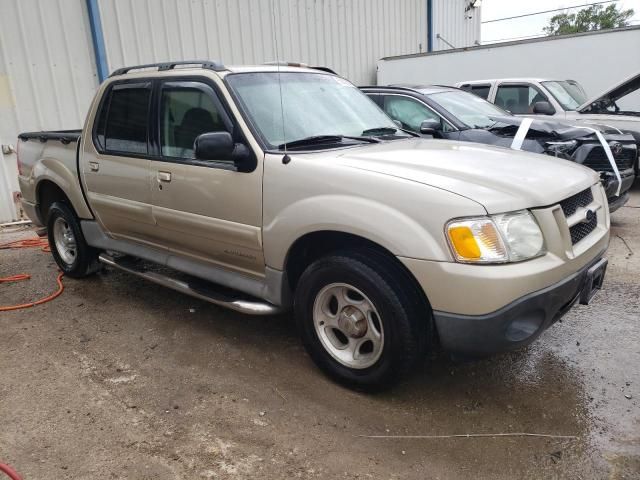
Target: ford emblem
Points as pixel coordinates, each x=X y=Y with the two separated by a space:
x=616 y=148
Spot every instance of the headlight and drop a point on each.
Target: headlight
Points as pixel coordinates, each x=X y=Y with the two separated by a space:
x=507 y=237
x=561 y=148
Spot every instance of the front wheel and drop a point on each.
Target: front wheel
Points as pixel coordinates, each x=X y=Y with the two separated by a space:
x=68 y=246
x=360 y=320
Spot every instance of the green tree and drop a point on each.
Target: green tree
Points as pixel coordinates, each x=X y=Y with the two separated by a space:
x=595 y=17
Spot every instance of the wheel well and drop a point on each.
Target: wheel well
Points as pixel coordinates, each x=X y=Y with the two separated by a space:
x=312 y=246
x=46 y=194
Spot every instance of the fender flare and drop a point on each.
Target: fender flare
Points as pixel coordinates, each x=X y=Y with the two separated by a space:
x=55 y=171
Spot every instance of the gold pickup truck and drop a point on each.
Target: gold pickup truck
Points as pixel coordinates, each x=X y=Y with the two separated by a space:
x=271 y=188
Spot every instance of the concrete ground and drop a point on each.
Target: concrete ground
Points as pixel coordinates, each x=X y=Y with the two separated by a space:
x=120 y=378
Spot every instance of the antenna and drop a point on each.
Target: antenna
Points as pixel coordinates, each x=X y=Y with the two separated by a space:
x=286 y=158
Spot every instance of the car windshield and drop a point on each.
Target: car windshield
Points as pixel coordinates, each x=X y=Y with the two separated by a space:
x=311 y=105
x=569 y=95
x=473 y=111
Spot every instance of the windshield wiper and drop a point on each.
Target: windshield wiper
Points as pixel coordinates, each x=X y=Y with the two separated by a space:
x=320 y=139
x=380 y=131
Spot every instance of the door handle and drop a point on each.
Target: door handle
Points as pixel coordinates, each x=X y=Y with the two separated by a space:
x=94 y=166
x=164 y=176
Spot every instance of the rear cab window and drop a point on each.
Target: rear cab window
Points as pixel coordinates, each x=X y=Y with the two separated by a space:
x=481 y=89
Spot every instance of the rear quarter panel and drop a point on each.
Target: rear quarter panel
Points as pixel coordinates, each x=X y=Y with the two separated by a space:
x=51 y=161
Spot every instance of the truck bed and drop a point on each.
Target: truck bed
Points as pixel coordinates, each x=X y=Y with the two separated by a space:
x=50 y=156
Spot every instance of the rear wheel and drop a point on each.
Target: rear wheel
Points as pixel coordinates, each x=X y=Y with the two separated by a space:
x=360 y=318
x=68 y=246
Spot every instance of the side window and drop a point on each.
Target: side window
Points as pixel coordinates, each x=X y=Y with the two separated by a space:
x=411 y=113
x=186 y=113
x=481 y=90
x=518 y=98
x=123 y=122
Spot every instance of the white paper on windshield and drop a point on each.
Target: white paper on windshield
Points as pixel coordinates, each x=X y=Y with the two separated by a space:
x=521 y=134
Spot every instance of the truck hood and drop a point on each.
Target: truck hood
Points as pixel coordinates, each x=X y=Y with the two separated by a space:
x=551 y=128
x=623 y=123
x=613 y=94
x=498 y=178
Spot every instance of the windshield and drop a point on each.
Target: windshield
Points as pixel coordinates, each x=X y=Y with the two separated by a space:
x=473 y=111
x=314 y=104
x=568 y=94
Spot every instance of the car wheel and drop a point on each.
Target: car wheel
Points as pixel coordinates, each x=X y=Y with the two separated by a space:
x=360 y=318
x=68 y=246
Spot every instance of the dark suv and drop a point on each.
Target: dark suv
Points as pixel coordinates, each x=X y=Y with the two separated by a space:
x=453 y=114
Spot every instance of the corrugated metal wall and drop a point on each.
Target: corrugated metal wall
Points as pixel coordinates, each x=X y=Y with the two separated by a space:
x=47 y=65
x=47 y=75
x=455 y=25
x=346 y=35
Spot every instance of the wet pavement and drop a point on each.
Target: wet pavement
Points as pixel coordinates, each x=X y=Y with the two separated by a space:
x=120 y=378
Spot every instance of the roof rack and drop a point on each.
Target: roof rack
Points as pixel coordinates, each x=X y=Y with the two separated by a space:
x=303 y=65
x=208 y=64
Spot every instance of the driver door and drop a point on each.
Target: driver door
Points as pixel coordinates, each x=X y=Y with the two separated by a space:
x=208 y=210
x=411 y=112
x=519 y=98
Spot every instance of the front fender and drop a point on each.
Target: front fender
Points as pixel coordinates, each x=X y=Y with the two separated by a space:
x=364 y=217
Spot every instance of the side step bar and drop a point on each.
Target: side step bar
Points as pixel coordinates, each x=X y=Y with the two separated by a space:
x=195 y=287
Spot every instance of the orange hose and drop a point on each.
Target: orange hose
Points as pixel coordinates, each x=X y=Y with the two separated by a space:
x=15 y=278
x=13 y=475
x=29 y=243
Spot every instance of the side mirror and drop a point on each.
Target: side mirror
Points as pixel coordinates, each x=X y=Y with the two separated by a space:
x=429 y=127
x=543 y=108
x=214 y=146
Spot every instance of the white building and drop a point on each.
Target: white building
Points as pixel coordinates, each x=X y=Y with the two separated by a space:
x=54 y=53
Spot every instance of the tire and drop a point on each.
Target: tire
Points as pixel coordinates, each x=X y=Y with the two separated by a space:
x=398 y=326
x=68 y=246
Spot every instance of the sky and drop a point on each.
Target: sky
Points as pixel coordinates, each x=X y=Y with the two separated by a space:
x=533 y=25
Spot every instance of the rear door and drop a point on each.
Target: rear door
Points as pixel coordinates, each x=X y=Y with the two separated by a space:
x=115 y=162
x=207 y=210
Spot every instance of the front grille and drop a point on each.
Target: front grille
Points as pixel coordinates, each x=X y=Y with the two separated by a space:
x=582 y=229
x=570 y=205
x=597 y=159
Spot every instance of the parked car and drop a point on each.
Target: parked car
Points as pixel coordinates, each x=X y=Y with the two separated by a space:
x=458 y=115
x=565 y=99
x=270 y=188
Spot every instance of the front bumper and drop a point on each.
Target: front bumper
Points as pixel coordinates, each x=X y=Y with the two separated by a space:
x=610 y=184
x=520 y=322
